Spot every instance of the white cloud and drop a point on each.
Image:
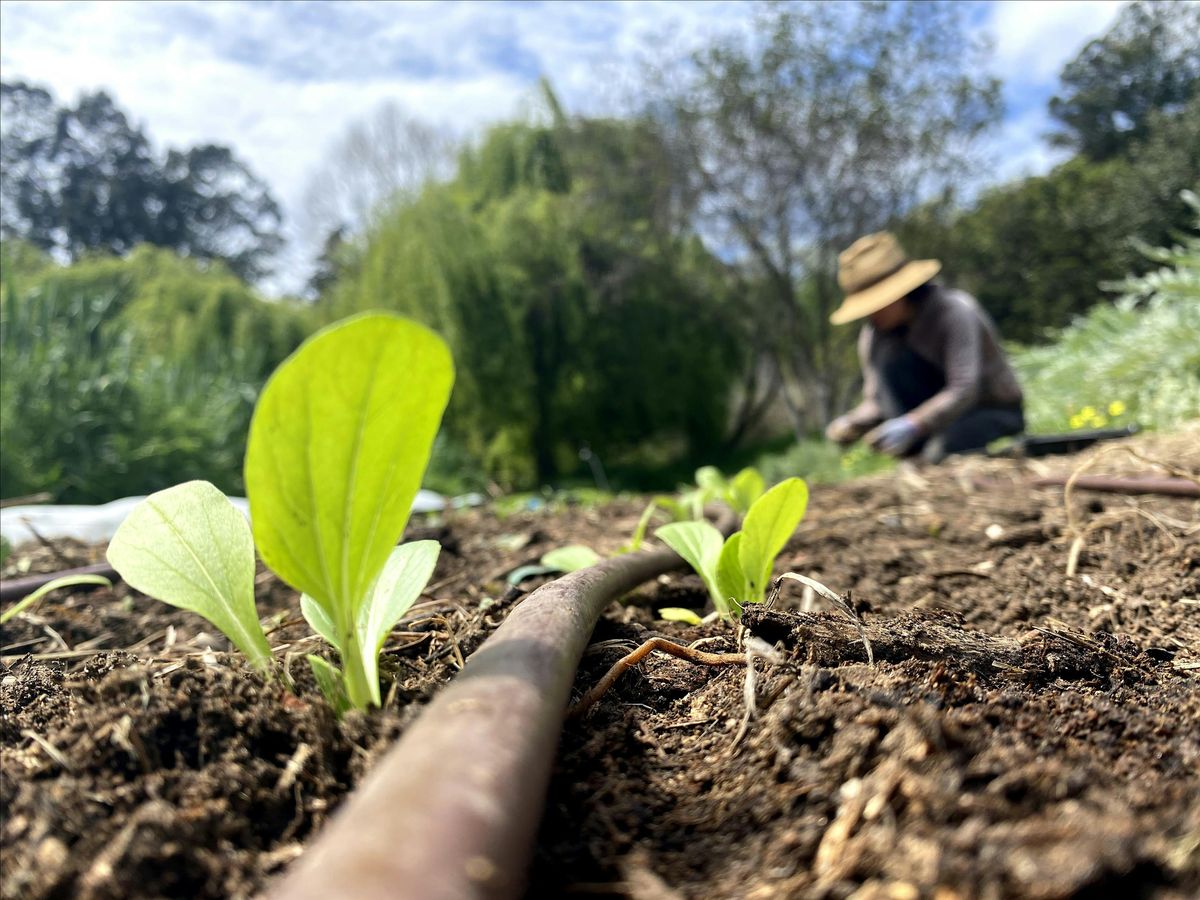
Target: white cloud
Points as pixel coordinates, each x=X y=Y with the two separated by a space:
x=1036 y=38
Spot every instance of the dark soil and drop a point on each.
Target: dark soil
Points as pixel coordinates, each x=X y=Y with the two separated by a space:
x=1021 y=733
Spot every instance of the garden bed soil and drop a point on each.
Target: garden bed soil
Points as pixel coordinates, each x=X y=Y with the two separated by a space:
x=1021 y=734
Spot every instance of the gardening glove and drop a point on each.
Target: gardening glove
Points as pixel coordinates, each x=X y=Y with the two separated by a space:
x=895 y=436
x=841 y=431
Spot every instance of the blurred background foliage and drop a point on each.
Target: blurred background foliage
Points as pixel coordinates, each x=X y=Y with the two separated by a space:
x=626 y=298
x=123 y=376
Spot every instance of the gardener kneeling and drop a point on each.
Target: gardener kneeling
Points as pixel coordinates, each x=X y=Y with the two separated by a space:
x=935 y=380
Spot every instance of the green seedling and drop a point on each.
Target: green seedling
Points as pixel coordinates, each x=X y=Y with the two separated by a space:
x=190 y=547
x=404 y=576
x=737 y=570
x=338 y=445
x=739 y=492
x=571 y=558
x=25 y=604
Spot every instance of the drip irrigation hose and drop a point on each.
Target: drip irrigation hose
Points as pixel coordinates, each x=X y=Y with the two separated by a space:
x=1165 y=487
x=451 y=812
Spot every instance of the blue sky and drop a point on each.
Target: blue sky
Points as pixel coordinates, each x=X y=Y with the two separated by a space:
x=279 y=81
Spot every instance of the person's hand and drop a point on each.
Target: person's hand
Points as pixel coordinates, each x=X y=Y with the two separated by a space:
x=895 y=436
x=841 y=431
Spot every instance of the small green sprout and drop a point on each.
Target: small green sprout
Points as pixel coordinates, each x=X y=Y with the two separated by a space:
x=739 y=492
x=679 y=614
x=30 y=600
x=338 y=445
x=404 y=576
x=737 y=570
x=570 y=558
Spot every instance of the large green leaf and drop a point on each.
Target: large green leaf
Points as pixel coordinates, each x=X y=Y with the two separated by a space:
x=699 y=543
x=767 y=527
x=338 y=445
x=404 y=576
x=190 y=547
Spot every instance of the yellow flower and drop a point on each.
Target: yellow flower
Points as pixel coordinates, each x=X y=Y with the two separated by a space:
x=1098 y=421
x=1088 y=411
x=1116 y=408
x=1077 y=420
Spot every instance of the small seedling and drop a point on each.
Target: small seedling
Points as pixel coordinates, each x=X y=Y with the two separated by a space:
x=28 y=602
x=571 y=558
x=679 y=614
x=338 y=445
x=737 y=570
x=190 y=547
x=739 y=492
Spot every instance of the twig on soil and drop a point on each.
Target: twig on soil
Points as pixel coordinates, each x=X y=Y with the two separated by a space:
x=632 y=659
x=950 y=573
x=53 y=752
x=1120 y=515
x=1076 y=640
x=48 y=544
x=839 y=602
x=56 y=637
x=1080 y=533
x=452 y=647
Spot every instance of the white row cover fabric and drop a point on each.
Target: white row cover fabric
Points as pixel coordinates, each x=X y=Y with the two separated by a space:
x=96 y=524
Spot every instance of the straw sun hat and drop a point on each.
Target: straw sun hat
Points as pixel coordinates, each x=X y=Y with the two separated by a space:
x=875 y=272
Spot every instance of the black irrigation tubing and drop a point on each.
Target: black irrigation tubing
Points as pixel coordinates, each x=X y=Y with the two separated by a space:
x=451 y=812
x=1163 y=487
x=18 y=588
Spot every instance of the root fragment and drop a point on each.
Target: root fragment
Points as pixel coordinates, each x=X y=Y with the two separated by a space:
x=630 y=660
x=756 y=648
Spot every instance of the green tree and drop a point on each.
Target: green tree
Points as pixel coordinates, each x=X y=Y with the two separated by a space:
x=126 y=375
x=1034 y=251
x=1148 y=62
x=83 y=178
x=578 y=307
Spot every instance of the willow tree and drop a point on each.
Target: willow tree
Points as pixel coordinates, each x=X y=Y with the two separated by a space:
x=579 y=308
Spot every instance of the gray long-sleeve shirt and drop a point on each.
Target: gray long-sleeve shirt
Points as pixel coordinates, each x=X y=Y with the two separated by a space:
x=951 y=331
